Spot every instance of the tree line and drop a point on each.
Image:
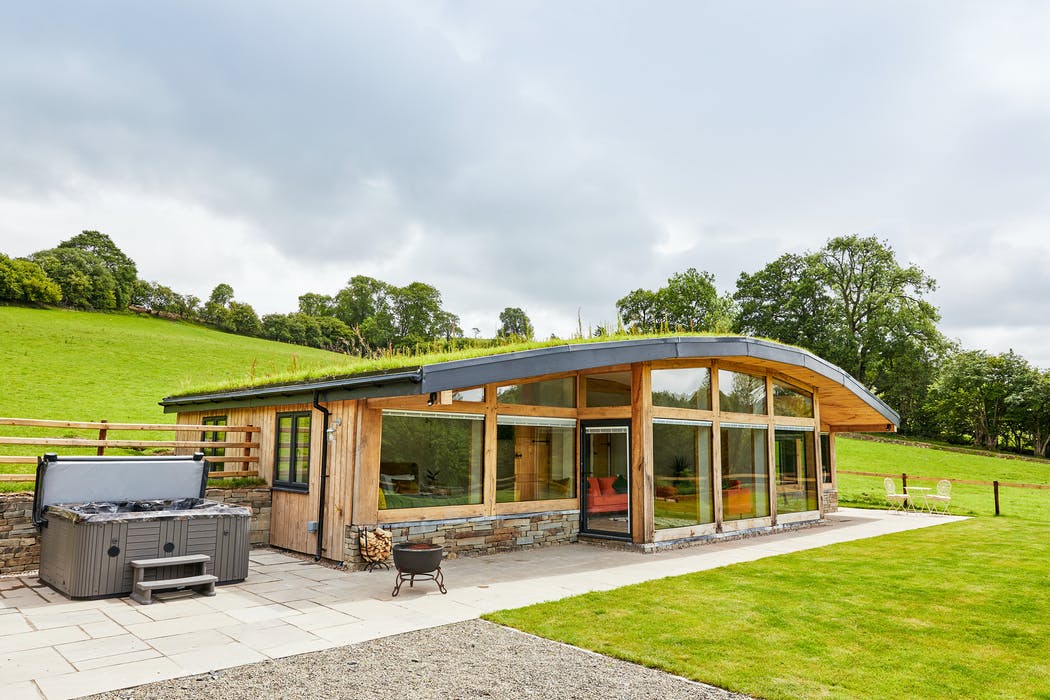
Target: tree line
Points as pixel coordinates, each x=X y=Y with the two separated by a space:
x=850 y=302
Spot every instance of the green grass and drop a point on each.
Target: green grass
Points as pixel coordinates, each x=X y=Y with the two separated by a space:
x=959 y=610
x=68 y=365
x=887 y=458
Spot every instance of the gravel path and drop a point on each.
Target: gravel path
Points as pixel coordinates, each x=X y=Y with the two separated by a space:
x=464 y=661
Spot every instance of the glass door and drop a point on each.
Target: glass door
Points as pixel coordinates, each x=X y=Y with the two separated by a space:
x=606 y=494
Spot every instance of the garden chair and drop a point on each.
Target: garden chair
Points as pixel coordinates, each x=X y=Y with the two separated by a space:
x=897 y=501
x=938 y=502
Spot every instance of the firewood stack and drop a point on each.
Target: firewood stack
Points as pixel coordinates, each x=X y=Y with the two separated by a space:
x=375 y=545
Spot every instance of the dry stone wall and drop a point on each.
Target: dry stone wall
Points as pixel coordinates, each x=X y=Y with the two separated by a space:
x=474 y=536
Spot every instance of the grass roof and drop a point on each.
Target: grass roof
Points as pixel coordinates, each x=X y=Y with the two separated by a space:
x=393 y=361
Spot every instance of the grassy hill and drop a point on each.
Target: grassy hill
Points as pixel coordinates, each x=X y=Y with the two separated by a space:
x=92 y=366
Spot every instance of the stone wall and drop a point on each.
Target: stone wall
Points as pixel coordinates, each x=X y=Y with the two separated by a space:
x=19 y=541
x=19 y=544
x=258 y=499
x=481 y=535
x=831 y=500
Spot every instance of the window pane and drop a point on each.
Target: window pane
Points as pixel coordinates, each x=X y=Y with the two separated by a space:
x=682 y=388
x=825 y=457
x=477 y=395
x=682 y=475
x=552 y=392
x=745 y=486
x=796 y=471
x=741 y=393
x=608 y=389
x=789 y=401
x=214 y=436
x=430 y=461
x=292 y=455
x=535 y=462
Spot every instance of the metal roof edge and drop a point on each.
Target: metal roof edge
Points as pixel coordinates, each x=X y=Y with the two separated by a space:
x=341 y=384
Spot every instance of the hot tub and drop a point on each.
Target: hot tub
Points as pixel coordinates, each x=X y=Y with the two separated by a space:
x=98 y=514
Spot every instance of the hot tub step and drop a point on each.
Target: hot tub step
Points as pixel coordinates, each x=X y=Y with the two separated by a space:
x=203 y=584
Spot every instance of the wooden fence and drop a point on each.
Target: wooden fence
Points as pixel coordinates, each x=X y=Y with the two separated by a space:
x=994 y=484
x=244 y=452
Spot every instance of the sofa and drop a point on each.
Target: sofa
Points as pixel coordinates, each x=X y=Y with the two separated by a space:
x=602 y=497
x=736 y=500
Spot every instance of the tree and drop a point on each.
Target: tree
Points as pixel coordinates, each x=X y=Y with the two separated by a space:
x=85 y=281
x=242 y=319
x=786 y=301
x=316 y=304
x=216 y=310
x=25 y=281
x=515 y=323
x=417 y=307
x=689 y=302
x=120 y=266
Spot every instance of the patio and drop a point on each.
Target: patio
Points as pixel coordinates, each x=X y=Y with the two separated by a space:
x=52 y=647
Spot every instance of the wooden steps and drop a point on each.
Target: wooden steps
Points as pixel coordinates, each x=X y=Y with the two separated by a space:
x=142 y=591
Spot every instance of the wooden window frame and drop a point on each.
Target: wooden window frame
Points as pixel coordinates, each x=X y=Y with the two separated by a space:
x=293 y=484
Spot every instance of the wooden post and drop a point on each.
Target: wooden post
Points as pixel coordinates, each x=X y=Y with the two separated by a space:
x=995 y=487
x=101 y=436
x=904 y=488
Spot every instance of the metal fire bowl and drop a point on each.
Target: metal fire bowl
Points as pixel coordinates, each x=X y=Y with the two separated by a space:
x=417 y=559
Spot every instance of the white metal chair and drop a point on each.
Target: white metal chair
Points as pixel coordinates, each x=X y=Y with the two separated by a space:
x=939 y=502
x=897 y=501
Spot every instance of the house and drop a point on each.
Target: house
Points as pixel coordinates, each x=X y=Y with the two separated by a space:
x=650 y=442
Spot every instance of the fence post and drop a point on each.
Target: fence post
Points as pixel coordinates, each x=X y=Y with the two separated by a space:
x=102 y=436
x=995 y=485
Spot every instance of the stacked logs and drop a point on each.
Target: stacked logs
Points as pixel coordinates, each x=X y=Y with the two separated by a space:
x=375 y=544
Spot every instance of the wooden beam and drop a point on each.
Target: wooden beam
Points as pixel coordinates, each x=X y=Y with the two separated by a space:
x=642 y=525
x=89 y=442
x=18 y=477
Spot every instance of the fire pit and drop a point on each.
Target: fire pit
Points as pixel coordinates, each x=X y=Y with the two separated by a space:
x=418 y=560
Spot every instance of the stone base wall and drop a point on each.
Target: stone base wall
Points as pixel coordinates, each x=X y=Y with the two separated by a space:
x=258 y=499
x=20 y=543
x=474 y=536
x=831 y=500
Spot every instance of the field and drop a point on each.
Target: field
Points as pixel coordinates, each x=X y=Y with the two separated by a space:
x=69 y=365
x=967 y=499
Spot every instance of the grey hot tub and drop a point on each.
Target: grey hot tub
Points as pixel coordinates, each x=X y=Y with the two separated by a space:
x=98 y=514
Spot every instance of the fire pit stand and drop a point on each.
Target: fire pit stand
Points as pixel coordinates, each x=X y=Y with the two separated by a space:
x=418 y=562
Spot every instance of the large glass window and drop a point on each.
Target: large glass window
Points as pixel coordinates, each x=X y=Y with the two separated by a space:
x=741 y=393
x=682 y=388
x=292 y=455
x=745 y=484
x=825 y=457
x=789 y=401
x=796 y=470
x=430 y=459
x=535 y=458
x=608 y=389
x=550 y=392
x=681 y=473
x=214 y=436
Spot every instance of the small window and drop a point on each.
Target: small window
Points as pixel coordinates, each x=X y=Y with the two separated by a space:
x=741 y=393
x=608 y=389
x=292 y=454
x=476 y=395
x=825 y=458
x=682 y=388
x=214 y=436
x=560 y=393
x=789 y=401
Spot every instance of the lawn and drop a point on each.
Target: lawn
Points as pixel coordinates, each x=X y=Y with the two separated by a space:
x=959 y=610
x=967 y=499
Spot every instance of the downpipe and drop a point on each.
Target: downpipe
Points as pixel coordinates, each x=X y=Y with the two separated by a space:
x=324 y=475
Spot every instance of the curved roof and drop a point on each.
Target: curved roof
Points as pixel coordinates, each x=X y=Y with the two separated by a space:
x=845 y=403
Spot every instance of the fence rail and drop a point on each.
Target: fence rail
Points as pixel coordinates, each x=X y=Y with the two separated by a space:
x=994 y=484
x=230 y=465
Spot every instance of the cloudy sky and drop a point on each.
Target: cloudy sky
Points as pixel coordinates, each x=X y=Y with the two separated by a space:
x=548 y=155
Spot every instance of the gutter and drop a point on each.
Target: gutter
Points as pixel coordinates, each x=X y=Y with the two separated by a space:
x=324 y=475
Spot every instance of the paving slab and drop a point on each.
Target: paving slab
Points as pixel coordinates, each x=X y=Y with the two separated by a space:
x=55 y=648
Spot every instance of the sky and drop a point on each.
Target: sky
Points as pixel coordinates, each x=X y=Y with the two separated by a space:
x=547 y=155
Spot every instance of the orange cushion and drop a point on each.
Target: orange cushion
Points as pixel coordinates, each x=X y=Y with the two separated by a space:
x=592 y=486
x=606 y=482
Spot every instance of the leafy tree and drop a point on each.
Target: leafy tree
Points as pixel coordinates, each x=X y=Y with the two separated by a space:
x=120 y=266
x=639 y=310
x=313 y=304
x=85 y=281
x=417 y=307
x=787 y=301
x=515 y=323
x=25 y=281
x=689 y=302
x=364 y=305
x=216 y=310
x=242 y=319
